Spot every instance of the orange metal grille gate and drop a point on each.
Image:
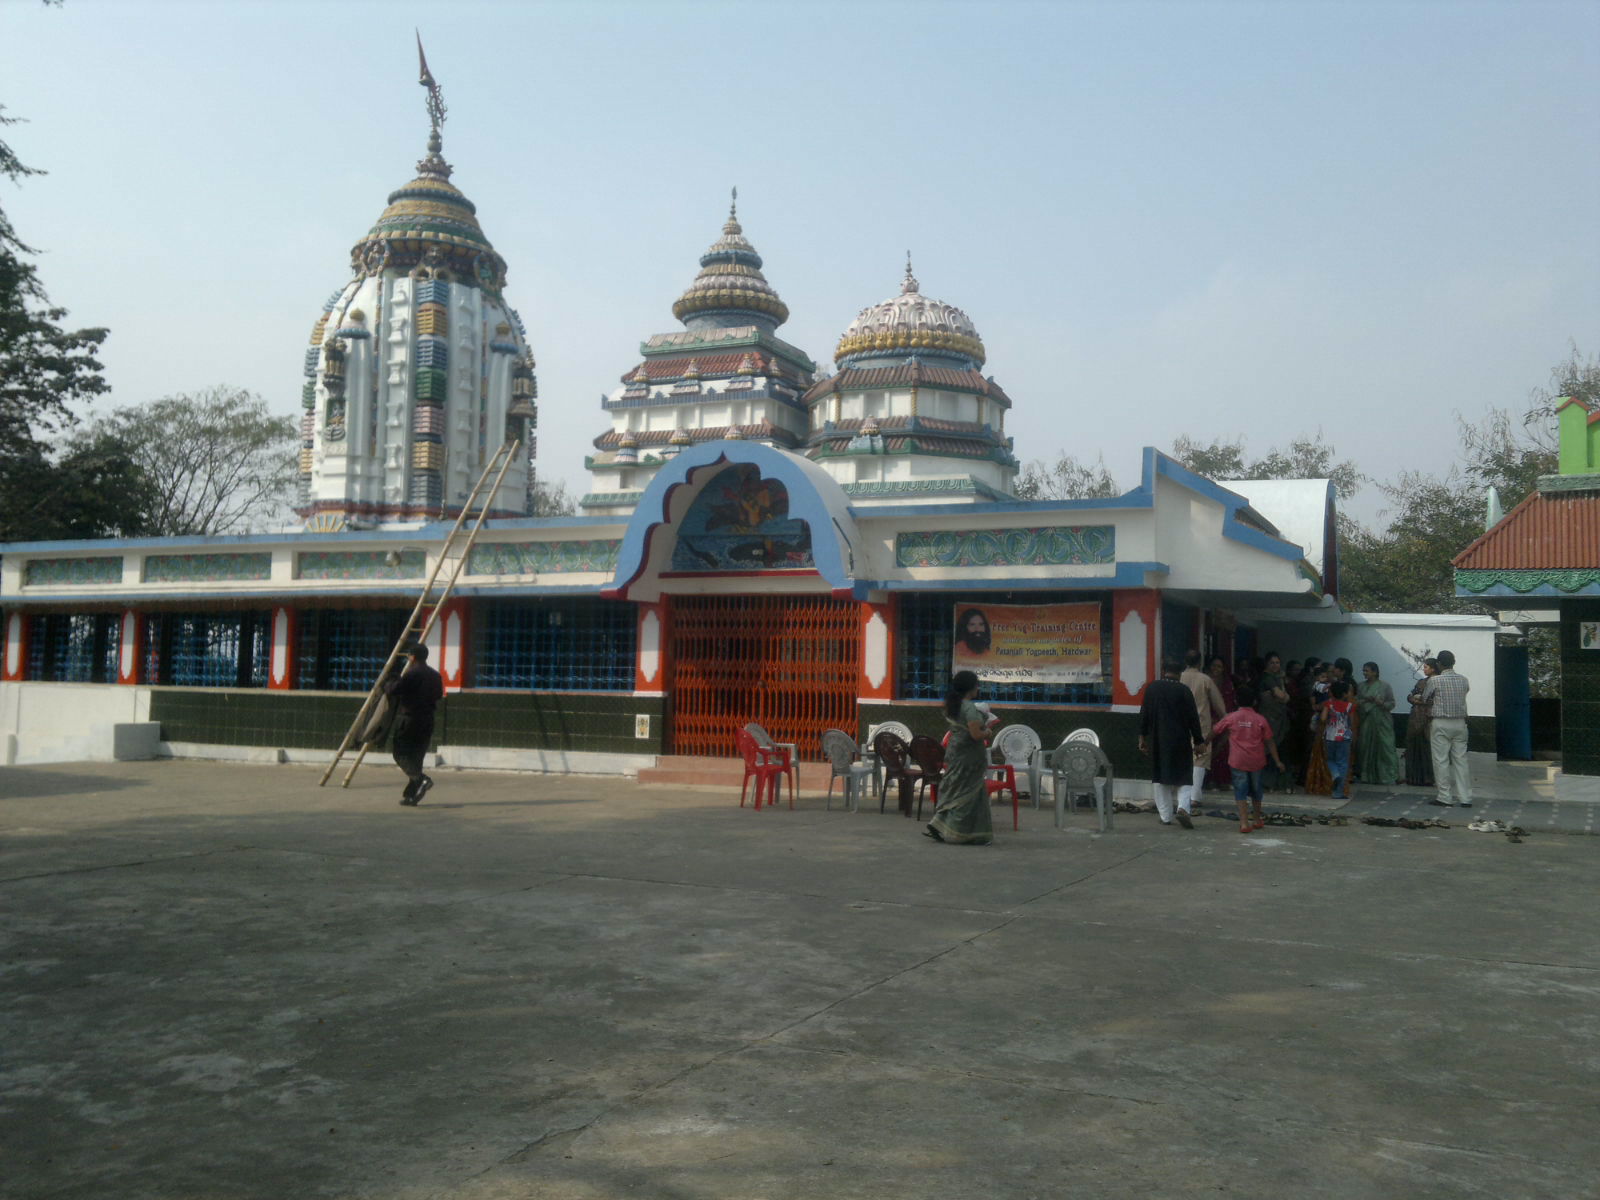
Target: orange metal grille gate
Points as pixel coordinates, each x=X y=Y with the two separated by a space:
x=789 y=663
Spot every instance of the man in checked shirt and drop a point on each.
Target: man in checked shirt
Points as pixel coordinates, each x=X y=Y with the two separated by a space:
x=1448 y=691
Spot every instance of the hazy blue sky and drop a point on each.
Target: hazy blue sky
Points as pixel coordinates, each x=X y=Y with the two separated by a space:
x=1206 y=218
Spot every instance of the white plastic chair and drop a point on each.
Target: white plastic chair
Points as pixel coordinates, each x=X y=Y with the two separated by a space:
x=840 y=749
x=1019 y=748
x=1083 y=735
x=1081 y=769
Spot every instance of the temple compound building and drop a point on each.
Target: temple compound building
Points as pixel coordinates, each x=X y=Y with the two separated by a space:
x=1540 y=565
x=762 y=541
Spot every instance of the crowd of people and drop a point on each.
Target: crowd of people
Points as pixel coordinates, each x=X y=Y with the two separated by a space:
x=1305 y=725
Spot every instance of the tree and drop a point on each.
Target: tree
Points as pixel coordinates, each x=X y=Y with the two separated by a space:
x=552 y=499
x=1303 y=458
x=95 y=490
x=216 y=461
x=1065 y=479
x=1406 y=566
x=44 y=368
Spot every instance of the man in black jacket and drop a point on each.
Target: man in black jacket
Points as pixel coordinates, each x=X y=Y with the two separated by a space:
x=1169 y=732
x=416 y=692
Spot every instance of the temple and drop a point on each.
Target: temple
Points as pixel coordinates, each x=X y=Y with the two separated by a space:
x=909 y=415
x=417 y=367
x=760 y=542
x=725 y=374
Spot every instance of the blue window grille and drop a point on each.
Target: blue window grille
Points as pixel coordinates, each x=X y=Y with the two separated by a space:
x=925 y=639
x=345 y=649
x=208 y=649
x=560 y=645
x=74 y=647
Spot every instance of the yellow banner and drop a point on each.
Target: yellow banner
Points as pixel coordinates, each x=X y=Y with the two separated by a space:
x=1028 y=643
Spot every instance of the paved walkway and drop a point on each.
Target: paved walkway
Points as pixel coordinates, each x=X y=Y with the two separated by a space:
x=1512 y=793
x=220 y=982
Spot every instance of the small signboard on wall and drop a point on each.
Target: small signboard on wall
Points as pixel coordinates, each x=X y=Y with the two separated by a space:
x=1589 y=635
x=1028 y=643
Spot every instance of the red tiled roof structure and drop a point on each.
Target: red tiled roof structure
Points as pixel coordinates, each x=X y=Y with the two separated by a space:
x=708 y=365
x=1544 y=532
x=760 y=431
x=907 y=375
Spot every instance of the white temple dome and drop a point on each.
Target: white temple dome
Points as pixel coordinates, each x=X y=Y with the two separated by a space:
x=909 y=323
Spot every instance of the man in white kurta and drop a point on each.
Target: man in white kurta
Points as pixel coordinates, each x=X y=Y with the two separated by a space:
x=1208 y=702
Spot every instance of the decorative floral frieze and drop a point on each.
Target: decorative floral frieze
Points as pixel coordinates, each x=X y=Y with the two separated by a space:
x=205 y=568
x=360 y=564
x=543 y=558
x=1052 y=546
x=1570 y=580
x=72 y=572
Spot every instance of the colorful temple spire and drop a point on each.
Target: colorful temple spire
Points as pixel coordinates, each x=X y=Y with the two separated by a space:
x=726 y=373
x=403 y=411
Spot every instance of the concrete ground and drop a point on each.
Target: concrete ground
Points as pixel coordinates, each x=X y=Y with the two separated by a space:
x=219 y=981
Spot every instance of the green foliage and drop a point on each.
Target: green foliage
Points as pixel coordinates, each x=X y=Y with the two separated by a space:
x=1303 y=458
x=96 y=490
x=1065 y=479
x=552 y=499
x=216 y=461
x=44 y=369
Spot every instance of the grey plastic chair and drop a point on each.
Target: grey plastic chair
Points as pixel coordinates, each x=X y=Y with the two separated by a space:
x=1019 y=747
x=1083 y=735
x=1076 y=769
x=840 y=750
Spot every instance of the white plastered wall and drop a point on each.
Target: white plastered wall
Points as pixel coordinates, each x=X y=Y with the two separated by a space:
x=1384 y=638
x=65 y=722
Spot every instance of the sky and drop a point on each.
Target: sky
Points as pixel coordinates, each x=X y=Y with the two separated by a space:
x=1257 y=220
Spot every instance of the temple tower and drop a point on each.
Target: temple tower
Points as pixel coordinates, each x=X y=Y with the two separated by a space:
x=909 y=416
x=418 y=369
x=726 y=374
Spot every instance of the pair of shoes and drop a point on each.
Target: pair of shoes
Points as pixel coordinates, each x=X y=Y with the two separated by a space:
x=1487 y=825
x=1183 y=819
x=421 y=790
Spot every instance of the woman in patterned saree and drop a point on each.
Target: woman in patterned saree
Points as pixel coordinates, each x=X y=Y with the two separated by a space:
x=963 y=812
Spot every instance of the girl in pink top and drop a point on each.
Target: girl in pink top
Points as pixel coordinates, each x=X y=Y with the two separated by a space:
x=1249 y=746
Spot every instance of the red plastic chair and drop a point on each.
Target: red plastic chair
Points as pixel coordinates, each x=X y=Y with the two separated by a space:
x=1005 y=780
x=767 y=766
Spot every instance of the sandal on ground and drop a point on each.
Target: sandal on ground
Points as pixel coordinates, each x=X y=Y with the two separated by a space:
x=1246 y=828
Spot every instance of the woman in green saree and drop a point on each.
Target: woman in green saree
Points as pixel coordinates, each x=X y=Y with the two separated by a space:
x=1376 y=759
x=963 y=812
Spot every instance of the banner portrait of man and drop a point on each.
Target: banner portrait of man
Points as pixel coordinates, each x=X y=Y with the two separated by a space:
x=1028 y=643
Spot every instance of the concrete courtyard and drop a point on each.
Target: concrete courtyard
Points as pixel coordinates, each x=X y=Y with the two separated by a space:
x=220 y=981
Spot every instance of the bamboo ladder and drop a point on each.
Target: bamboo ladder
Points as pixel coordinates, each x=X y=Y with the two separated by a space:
x=451 y=562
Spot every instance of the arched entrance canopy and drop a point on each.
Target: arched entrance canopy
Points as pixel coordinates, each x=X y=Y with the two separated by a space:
x=731 y=509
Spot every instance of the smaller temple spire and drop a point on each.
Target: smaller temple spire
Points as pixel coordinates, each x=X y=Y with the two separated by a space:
x=909 y=284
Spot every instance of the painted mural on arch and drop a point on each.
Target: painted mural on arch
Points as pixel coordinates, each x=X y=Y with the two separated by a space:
x=741 y=522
